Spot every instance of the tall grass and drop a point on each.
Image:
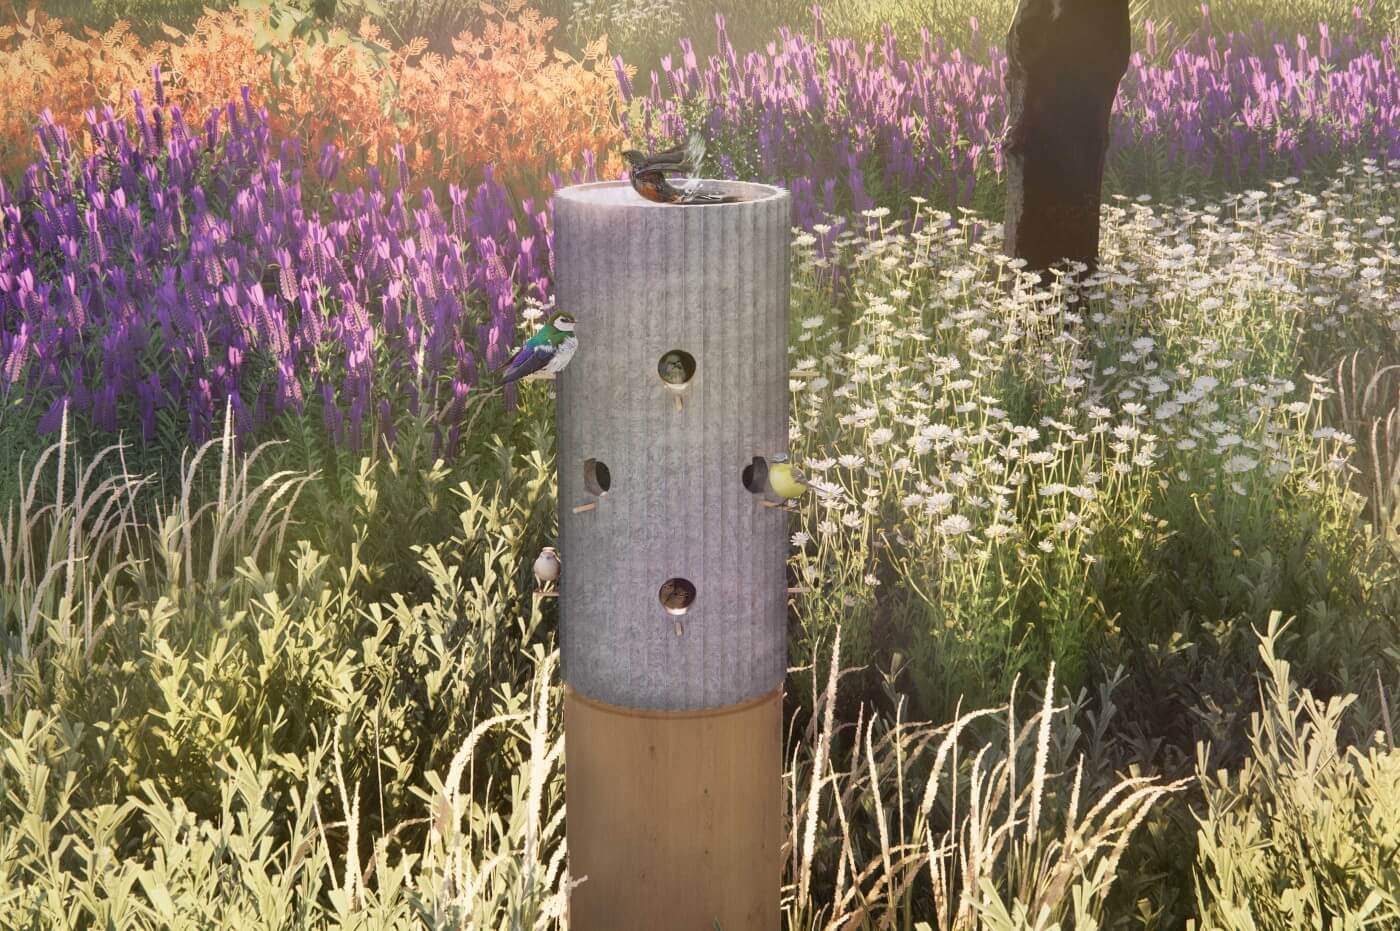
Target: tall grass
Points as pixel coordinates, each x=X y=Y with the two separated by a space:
x=159 y=636
x=992 y=820
x=968 y=23
x=1304 y=834
x=917 y=821
x=217 y=746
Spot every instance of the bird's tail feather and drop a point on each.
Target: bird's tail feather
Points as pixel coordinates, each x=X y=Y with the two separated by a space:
x=709 y=197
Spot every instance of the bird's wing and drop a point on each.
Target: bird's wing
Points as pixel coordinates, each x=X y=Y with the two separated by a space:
x=693 y=195
x=669 y=160
x=561 y=356
x=694 y=157
x=691 y=190
x=682 y=158
x=512 y=360
x=527 y=362
x=540 y=338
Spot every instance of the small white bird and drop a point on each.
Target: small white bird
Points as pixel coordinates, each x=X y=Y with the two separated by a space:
x=547 y=567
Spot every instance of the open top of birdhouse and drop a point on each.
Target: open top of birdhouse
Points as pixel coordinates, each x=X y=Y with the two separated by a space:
x=621 y=194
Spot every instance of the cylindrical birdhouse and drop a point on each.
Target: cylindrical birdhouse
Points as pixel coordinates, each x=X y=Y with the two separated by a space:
x=673 y=602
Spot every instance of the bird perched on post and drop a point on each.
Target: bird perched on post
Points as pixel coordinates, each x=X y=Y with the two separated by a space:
x=545 y=354
x=547 y=567
x=648 y=174
x=786 y=480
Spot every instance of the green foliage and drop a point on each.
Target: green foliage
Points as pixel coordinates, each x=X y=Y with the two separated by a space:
x=147 y=18
x=1011 y=473
x=155 y=659
x=276 y=859
x=977 y=823
x=154 y=19
x=1307 y=831
x=347 y=826
x=310 y=21
x=643 y=31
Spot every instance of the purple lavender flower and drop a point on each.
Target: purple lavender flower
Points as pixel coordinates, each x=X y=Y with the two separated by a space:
x=187 y=272
x=856 y=118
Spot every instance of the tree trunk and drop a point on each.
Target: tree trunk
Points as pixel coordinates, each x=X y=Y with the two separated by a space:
x=1066 y=59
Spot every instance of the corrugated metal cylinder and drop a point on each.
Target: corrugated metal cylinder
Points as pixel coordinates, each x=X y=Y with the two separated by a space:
x=673 y=599
x=645 y=280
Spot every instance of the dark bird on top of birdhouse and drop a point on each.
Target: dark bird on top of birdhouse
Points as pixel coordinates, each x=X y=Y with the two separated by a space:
x=649 y=175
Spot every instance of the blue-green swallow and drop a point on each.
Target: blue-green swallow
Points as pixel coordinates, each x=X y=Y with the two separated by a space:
x=545 y=354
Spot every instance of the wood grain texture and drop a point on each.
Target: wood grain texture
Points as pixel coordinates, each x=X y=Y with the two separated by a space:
x=675 y=819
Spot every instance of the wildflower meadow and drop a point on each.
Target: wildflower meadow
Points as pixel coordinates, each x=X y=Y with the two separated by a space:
x=1095 y=595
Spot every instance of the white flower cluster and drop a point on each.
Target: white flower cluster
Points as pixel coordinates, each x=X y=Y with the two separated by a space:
x=977 y=415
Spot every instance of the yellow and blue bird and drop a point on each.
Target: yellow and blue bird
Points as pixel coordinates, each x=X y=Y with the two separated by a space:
x=786 y=480
x=545 y=354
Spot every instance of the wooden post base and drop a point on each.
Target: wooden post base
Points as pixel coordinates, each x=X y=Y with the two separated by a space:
x=674 y=819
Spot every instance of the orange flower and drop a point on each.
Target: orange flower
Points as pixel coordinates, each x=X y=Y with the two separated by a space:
x=44 y=68
x=503 y=98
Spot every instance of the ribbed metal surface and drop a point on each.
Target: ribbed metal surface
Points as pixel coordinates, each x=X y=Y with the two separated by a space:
x=642 y=280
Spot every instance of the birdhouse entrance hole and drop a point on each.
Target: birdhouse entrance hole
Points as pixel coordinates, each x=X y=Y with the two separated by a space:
x=676 y=369
x=677 y=595
x=756 y=475
x=596 y=477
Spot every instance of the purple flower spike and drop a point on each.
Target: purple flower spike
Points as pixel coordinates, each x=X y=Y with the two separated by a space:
x=205 y=245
